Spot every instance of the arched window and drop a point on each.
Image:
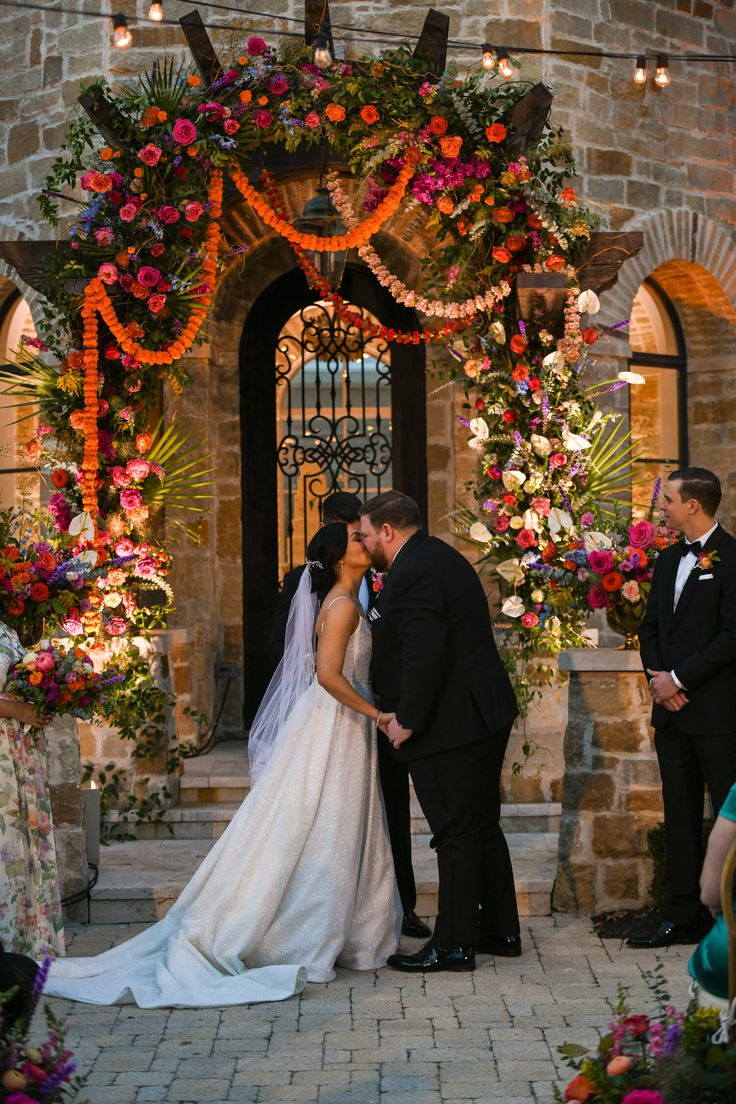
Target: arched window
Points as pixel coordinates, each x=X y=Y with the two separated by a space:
x=658 y=409
x=16 y=322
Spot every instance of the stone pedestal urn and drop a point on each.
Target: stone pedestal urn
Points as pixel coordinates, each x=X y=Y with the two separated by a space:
x=611 y=794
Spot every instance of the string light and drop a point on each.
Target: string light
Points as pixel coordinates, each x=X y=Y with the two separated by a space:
x=156 y=12
x=505 y=67
x=640 y=73
x=322 y=55
x=488 y=57
x=121 y=36
x=662 y=77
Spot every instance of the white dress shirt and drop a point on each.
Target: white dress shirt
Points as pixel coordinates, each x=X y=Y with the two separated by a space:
x=686 y=565
x=364 y=593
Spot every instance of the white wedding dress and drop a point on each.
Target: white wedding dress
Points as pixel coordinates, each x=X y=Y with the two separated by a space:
x=301 y=881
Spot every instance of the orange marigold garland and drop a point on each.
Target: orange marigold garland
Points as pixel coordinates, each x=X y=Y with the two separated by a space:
x=90 y=461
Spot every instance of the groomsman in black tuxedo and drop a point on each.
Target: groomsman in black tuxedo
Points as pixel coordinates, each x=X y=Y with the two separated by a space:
x=435 y=664
x=688 y=649
x=344 y=506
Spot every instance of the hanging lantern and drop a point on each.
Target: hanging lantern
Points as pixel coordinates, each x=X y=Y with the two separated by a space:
x=321 y=217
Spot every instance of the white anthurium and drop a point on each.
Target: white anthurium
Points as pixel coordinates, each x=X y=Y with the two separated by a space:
x=533 y=521
x=554 y=360
x=597 y=417
x=574 y=442
x=632 y=378
x=511 y=570
x=89 y=556
x=588 y=302
x=596 y=542
x=479 y=428
x=480 y=532
x=558 y=519
x=555 y=626
x=541 y=444
x=498 y=333
x=513 y=480
x=82 y=525
x=513 y=606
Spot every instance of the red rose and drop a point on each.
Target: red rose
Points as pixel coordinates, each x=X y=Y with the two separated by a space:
x=518 y=344
x=157 y=249
x=590 y=336
x=579 y=1089
x=509 y=417
x=39 y=592
x=502 y=523
x=59 y=477
x=510 y=499
x=501 y=255
x=555 y=262
x=557 y=460
x=515 y=242
x=636 y=1026
x=534 y=383
x=156 y=303
x=526 y=538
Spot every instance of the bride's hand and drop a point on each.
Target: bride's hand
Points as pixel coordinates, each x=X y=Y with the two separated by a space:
x=386 y=719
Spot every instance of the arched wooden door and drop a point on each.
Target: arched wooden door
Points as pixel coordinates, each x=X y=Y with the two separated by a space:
x=321 y=410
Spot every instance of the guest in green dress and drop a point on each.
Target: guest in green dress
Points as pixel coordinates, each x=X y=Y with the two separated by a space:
x=30 y=907
x=709 y=964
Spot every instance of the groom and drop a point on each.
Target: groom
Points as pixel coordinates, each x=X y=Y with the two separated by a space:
x=435 y=664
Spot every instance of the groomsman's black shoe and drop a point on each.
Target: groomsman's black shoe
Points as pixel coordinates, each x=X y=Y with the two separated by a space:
x=412 y=925
x=432 y=958
x=667 y=934
x=505 y=946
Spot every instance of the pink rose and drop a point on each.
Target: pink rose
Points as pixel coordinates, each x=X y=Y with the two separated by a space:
x=126 y=281
x=642 y=535
x=150 y=154
x=146 y=567
x=193 y=211
x=597 y=598
x=128 y=212
x=529 y=620
x=501 y=523
x=619 y=1065
x=256 y=47
x=148 y=276
x=156 y=303
x=637 y=1026
x=104 y=236
x=108 y=273
x=312 y=120
x=157 y=249
x=630 y=590
x=212 y=111
x=586 y=520
x=85 y=180
x=262 y=118
x=73 y=626
x=600 y=562
x=116 y=626
x=138 y=468
x=557 y=460
x=124 y=547
x=120 y=477
x=541 y=506
x=643 y=1096
x=184 y=132
x=526 y=538
x=168 y=214
x=278 y=85
x=231 y=126
x=130 y=498
x=44 y=661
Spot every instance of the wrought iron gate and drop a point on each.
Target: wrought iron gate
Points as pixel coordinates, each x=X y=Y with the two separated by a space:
x=333 y=420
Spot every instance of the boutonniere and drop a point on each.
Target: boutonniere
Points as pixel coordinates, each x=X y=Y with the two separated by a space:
x=377 y=582
x=706 y=560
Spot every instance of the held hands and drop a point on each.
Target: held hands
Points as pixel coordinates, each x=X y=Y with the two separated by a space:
x=666 y=692
x=396 y=734
x=384 y=722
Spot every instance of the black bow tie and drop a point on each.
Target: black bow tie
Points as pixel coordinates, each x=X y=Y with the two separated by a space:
x=694 y=548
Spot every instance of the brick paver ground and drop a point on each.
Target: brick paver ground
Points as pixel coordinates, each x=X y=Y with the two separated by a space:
x=372 y=1038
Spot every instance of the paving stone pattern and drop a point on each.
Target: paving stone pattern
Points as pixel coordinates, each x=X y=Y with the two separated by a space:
x=371 y=1038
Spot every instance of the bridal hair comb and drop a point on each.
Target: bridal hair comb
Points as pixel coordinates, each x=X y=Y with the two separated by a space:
x=313 y=563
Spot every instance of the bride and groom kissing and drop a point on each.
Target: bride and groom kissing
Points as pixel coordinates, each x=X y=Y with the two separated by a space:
x=303 y=879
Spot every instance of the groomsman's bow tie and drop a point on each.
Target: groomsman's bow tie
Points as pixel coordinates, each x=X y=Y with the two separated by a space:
x=694 y=548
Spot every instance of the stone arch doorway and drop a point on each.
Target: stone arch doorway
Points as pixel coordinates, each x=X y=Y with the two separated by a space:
x=265 y=498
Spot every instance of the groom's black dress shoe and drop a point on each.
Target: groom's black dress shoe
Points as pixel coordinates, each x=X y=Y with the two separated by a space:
x=506 y=946
x=412 y=925
x=432 y=958
x=667 y=934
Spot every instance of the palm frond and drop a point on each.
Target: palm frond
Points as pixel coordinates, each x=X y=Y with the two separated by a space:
x=30 y=381
x=186 y=471
x=610 y=464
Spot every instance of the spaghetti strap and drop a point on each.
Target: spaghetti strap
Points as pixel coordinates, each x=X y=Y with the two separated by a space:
x=322 y=622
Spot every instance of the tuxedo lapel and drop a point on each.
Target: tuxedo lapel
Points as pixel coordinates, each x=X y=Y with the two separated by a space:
x=692 y=580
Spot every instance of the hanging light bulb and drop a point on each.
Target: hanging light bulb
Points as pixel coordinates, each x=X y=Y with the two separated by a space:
x=662 y=77
x=121 y=36
x=156 y=12
x=640 y=73
x=322 y=55
x=505 y=67
x=488 y=58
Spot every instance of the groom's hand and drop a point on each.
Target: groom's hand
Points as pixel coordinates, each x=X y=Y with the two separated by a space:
x=386 y=719
x=396 y=734
x=662 y=687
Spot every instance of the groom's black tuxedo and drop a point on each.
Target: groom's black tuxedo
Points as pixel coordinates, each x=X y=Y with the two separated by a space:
x=696 y=638
x=436 y=665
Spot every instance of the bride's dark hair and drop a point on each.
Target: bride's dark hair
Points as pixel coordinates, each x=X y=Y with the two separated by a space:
x=326 y=548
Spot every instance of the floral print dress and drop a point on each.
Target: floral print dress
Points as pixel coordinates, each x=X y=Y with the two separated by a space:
x=30 y=907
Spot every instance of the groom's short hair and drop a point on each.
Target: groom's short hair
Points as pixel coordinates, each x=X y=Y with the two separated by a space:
x=340 y=506
x=392 y=508
x=702 y=485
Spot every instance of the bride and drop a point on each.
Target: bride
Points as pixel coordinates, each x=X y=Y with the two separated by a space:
x=303 y=879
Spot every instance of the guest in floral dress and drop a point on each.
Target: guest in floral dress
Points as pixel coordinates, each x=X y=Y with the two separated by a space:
x=30 y=907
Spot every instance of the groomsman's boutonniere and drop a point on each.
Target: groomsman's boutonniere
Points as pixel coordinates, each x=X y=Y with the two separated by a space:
x=377 y=582
x=706 y=560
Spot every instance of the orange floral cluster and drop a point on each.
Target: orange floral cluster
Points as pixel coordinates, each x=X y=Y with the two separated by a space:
x=90 y=461
x=355 y=237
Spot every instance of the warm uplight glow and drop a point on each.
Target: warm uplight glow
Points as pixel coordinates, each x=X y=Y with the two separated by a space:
x=322 y=55
x=505 y=67
x=488 y=58
x=156 y=12
x=121 y=36
x=662 y=77
x=640 y=73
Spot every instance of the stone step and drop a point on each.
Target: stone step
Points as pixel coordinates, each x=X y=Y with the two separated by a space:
x=139 y=881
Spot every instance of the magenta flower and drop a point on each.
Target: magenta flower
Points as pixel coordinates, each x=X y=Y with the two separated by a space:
x=184 y=132
x=600 y=562
x=255 y=47
x=148 y=276
x=130 y=498
x=278 y=85
x=262 y=118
